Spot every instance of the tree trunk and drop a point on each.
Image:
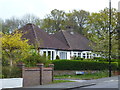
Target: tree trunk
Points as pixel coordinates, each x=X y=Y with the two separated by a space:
x=11 y=62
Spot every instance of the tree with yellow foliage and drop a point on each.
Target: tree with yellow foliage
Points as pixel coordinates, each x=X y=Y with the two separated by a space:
x=14 y=48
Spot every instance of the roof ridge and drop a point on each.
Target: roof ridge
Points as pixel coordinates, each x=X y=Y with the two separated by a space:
x=52 y=37
x=65 y=38
x=35 y=34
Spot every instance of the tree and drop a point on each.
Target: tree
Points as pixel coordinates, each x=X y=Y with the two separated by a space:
x=54 y=21
x=30 y=18
x=9 y=25
x=59 y=20
x=14 y=48
x=78 y=20
x=97 y=29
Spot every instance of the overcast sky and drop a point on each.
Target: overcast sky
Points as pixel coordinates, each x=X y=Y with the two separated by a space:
x=40 y=8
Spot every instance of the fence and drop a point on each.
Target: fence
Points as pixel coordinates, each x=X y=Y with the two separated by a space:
x=37 y=75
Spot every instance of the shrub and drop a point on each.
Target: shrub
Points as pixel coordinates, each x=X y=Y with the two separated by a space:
x=81 y=65
x=35 y=58
x=77 y=58
x=115 y=60
x=105 y=59
x=11 y=72
x=101 y=59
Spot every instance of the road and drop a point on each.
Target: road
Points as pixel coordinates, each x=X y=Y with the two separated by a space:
x=105 y=84
x=108 y=83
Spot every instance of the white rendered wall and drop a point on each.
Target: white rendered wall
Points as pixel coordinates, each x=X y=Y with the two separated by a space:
x=69 y=53
x=11 y=83
x=46 y=50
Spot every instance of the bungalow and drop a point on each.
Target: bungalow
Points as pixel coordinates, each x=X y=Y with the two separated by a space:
x=65 y=43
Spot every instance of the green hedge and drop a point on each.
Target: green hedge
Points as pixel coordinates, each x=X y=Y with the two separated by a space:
x=11 y=72
x=81 y=65
x=97 y=59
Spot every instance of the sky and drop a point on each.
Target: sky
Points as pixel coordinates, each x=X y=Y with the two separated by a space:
x=40 y=8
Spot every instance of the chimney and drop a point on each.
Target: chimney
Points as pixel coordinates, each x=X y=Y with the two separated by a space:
x=70 y=28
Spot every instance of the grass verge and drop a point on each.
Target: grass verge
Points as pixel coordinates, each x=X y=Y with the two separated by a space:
x=61 y=81
x=87 y=76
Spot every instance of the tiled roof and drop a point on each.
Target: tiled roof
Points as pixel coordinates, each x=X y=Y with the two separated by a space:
x=64 y=39
x=45 y=40
x=74 y=40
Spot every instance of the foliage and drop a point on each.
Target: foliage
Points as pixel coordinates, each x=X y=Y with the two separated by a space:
x=54 y=21
x=57 y=57
x=35 y=58
x=11 y=72
x=59 y=20
x=104 y=59
x=101 y=59
x=14 y=48
x=10 y=25
x=98 y=32
x=81 y=65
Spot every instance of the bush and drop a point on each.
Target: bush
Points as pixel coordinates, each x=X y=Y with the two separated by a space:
x=35 y=58
x=101 y=59
x=115 y=60
x=11 y=72
x=81 y=65
x=105 y=59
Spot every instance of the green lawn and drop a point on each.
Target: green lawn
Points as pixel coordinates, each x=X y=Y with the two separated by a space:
x=88 y=76
x=61 y=81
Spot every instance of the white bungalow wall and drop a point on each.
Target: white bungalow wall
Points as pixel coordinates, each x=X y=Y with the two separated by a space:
x=54 y=53
x=84 y=54
x=49 y=51
x=67 y=54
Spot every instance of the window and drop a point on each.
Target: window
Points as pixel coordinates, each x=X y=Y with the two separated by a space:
x=44 y=53
x=49 y=55
x=74 y=54
x=83 y=55
x=93 y=55
x=90 y=55
x=52 y=55
x=79 y=54
x=63 y=55
x=87 y=55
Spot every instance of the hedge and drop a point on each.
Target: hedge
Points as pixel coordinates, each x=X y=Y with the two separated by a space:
x=11 y=72
x=82 y=65
x=97 y=59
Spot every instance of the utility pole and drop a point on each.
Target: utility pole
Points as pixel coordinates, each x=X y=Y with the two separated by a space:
x=118 y=35
x=109 y=38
